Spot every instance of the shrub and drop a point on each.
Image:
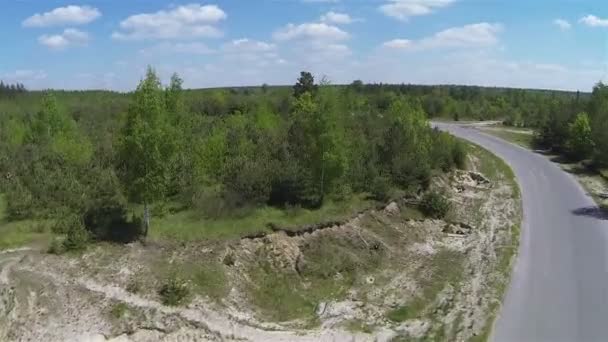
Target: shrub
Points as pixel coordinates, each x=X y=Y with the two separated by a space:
x=459 y=154
x=381 y=188
x=119 y=310
x=56 y=246
x=174 y=292
x=434 y=205
x=108 y=221
x=77 y=237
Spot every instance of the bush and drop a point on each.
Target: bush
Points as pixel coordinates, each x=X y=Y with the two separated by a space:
x=459 y=154
x=434 y=205
x=174 y=292
x=56 y=246
x=108 y=221
x=381 y=188
x=77 y=237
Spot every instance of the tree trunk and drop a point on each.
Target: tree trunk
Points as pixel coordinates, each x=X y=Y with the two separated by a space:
x=146 y=219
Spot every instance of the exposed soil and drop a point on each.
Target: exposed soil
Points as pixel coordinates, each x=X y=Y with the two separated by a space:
x=376 y=277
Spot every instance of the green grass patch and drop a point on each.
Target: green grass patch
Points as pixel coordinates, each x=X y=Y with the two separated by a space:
x=445 y=268
x=19 y=233
x=332 y=266
x=523 y=139
x=493 y=167
x=188 y=226
x=119 y=310
x=279 y=297
x=356 y=325
x=207 y=278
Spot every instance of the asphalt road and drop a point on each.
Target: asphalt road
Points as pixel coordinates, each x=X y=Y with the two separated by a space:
x=559 y=287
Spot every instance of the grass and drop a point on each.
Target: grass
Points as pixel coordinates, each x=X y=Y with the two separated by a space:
x=187 y=226
x=445 y=268
x=493 y=167
x=119 y=310
x=208 y=278
x=523 y=139
x=333 y=265
x=19 y=233
x=356 y=325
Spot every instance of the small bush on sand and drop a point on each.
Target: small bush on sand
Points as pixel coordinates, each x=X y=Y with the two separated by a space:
x=434 y=205
x=174 y=292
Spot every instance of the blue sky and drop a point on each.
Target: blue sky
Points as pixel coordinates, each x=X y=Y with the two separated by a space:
x=107 y=44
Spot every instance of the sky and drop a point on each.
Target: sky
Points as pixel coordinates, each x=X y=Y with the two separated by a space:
x=107 y=44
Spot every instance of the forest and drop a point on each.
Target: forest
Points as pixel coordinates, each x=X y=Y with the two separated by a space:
x=101 y=164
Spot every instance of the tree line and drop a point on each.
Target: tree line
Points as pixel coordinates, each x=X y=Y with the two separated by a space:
x=10 y=89
x=102 y=163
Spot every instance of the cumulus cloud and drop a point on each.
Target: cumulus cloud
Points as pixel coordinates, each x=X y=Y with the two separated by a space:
x=190 y=48
x=63 y=40
x=398 y=44
x=593 y=21
x=248 y=45
x=563 y=25
x=312 y=31
x=69 y=15
x=183 y=22
x=404 y=9
x=336 y=18
x=480 y=34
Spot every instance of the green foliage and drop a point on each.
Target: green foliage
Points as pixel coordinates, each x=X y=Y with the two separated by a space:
x=119 y=310
x=77 y=237
x=434 y=205
x=56 y=246
x=579 y=144
x=174 y=292
x=305 y=84
x=224 y=157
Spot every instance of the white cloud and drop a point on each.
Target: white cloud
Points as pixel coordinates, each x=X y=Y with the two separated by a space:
x=248 y=45
x=311 y=31
x=398 y=44
x=183 y=22
x=25 y=75
x=336 y=18
x=191 y=48
x=478 y=35
x=61 y=41
x=563 y=25
x=593 y=21
x=404 y=9
x=69 y=15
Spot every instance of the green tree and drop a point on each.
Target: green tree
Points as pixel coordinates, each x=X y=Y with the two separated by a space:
x=305 y=84
x=580 y=143
x=147 y=146
x=173 y=96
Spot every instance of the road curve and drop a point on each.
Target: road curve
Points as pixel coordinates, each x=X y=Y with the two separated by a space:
x=559 y=286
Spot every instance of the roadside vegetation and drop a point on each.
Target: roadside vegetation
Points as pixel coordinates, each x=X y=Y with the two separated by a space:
x=164 y=163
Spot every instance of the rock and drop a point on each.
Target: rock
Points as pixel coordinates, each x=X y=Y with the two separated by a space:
x=479 y=178
x=415 y=328
x=392 y=209
x=320 y=311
